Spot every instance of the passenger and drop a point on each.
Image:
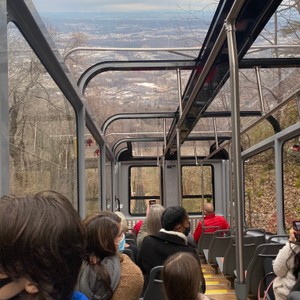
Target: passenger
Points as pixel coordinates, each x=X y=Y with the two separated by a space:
x=106 y=273
x=133 y=247
x=152 y=223
x=210 y=219
x=182 y=277
x=172 y=238
x=42 y=242
x=287 y=267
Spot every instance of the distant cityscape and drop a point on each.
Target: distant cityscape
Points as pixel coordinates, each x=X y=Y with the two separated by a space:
x=154 y=29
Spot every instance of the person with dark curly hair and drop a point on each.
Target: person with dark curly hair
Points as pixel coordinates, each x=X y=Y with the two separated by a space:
x=171 y=238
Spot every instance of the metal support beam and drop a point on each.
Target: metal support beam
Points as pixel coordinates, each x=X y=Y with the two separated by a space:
x=257 y=73
x=179 y=88
x=279 y=184
x=103 y=177
x=101 y=67
x=81 y=161
x=236 y=150
x=131 y=116
x=179 y=167
x=4 y=111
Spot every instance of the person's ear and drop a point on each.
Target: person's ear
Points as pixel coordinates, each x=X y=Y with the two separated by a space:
x=179 y=228
x=31 y=288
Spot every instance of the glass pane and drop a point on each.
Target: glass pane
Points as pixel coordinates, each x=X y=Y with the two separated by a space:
x=193 y=205
x=197 y=184
x=291 y=175
x=196 y=180
x=42 y=126
x=260 y=198
x=144 y=187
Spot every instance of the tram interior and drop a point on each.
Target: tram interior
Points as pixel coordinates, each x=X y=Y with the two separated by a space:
x=116 y=128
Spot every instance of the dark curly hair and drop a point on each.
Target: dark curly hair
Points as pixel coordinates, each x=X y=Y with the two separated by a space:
x=173 y=216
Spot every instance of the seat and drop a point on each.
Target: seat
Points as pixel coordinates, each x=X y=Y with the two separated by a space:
x=227 y=264
x=256 y=270
x=155 y=288
x=205 y=239
x=294 y=295
x=259 y=233
x=130 y=253
x=130 y=238
x=218 y=246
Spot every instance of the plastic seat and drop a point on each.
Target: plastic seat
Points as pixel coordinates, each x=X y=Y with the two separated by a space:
x=227 y=265
x=130 y=253
x=256 y=270
x=294 y=296
x=205 y=239
x=218 y=246
x=155 y=288
x=130 y=238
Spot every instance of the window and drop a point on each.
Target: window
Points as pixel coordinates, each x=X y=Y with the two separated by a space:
x=291 y=181
x=197 y=184
x=144 y=187
x=260 y=197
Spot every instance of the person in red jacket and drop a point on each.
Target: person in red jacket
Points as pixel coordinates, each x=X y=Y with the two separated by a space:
x=210 y=220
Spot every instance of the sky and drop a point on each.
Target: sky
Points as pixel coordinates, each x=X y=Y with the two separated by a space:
x=119 y=5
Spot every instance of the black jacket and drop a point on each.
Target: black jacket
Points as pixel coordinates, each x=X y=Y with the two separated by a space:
x=155 y=249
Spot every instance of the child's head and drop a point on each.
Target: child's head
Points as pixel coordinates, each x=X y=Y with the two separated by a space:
x=42 y=239
x=182 y=276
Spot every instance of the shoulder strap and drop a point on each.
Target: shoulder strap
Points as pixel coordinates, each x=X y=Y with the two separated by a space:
x=268 y=287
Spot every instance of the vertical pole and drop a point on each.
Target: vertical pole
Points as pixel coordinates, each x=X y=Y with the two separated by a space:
x=179 y=90
x=81 y=161
x=279 y=184
x=103 y=176
x=163 y=169
x=178 y=139
x=216 y=133
x=236 y=148
x=4 y=111
x=257 y=72
x=179 y=167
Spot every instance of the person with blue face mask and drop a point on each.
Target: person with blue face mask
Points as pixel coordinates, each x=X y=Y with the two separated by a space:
x=121 y=244
x=131 y=248
x=108 y=273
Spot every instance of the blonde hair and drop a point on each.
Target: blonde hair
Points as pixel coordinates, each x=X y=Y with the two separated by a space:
x=153 y=220
x=124 y=224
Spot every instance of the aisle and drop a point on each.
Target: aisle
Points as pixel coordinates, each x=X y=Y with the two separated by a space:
x=217 y=286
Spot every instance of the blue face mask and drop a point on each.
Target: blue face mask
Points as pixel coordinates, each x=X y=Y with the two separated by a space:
x=121 y=244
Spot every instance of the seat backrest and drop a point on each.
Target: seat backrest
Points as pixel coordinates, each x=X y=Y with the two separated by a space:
x=278 y=238
x=155 y=289
x=130 y=237
x=218 y=245
x=255 y=270
x=294 y=296
x=204 y=241
x=229 y=263
x=130 y=253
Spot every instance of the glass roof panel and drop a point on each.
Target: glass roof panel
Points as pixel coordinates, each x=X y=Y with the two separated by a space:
x=98 y=29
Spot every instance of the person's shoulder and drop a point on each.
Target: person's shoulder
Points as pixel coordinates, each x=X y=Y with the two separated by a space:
x=79 y=296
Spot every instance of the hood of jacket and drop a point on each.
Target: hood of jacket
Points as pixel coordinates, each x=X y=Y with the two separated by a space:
x=93 y=287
